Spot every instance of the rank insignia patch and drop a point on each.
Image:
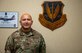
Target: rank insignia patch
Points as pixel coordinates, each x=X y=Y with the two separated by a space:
x=52 y=16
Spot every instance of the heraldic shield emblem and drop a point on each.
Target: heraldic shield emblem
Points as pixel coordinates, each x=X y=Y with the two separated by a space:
x=52 y=16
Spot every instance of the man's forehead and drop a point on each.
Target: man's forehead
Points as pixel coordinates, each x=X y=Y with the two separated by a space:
x=26 y=16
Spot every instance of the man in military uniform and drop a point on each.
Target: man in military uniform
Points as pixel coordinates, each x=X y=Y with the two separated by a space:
x=26 y=39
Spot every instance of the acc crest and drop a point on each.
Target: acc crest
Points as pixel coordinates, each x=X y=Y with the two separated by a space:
x=52 y=16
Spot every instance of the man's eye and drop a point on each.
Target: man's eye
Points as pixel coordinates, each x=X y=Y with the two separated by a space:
x=24 y=19
x=28 y=19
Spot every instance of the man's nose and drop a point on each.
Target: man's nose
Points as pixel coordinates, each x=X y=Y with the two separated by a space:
x=26 y=20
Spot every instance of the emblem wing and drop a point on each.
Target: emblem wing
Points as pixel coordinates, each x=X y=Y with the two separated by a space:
x=48 y=11
x=56 y=11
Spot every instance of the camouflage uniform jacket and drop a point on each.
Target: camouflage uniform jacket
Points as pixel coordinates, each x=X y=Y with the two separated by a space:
x=20 y=42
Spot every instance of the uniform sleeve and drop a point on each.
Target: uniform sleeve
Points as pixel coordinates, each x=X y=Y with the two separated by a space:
x=9 y=45
x=42 y=46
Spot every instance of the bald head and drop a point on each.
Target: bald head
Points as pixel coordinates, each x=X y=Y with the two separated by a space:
x=24 y=15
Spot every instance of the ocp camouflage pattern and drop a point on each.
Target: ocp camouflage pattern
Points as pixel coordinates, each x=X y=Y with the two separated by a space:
x=30 y=42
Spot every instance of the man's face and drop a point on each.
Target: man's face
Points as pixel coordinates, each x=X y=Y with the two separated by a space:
x=26 y=21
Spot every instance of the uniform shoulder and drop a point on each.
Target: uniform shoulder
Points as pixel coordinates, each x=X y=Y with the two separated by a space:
x=37 y=34
x=15 y=33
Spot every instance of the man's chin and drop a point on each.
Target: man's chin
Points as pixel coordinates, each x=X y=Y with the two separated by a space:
x=25 y=27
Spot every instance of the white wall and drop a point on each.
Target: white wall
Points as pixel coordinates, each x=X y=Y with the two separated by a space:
x=66 y=39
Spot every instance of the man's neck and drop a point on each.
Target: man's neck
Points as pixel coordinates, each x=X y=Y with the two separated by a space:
x=26 y=29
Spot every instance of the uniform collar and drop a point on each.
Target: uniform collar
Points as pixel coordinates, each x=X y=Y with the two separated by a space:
x=29 y=33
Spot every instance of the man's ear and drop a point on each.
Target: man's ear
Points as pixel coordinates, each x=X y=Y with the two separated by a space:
x=32 y=22
x=20 y=22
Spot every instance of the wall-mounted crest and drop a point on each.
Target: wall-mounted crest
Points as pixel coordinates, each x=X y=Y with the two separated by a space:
x=52 y=16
